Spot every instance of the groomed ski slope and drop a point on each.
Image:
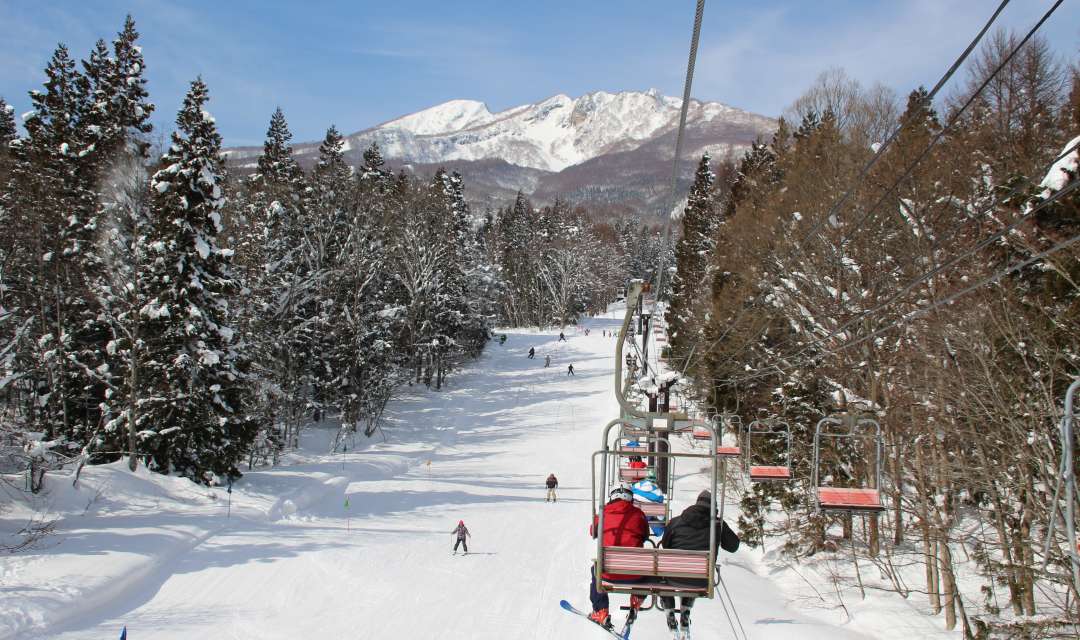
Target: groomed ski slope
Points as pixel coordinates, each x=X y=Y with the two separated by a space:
x=158 y=554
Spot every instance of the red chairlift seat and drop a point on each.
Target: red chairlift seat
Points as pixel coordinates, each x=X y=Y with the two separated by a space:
x=764 y=473
x=728 y=452
x=701 y=433
x=658 y=563
x=768 y=428
x=634 y=450
x=859 y=499
x=626 y=474
x=840 y=499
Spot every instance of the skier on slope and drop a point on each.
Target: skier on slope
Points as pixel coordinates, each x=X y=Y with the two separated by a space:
x=547 y=361
x=690 y=530
x=532 y=353
x=461 y=532
x=624 y=526
x=562 y=337
x=570 y=370
x=552 y=484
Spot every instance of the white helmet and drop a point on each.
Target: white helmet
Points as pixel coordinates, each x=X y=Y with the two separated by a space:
x=621 y=492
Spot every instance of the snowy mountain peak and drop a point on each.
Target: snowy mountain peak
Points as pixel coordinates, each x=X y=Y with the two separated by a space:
x=608 y=147
x=550 y=135
x=447 y=117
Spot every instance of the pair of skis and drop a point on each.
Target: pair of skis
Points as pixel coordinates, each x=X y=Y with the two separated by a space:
x=620 y=635
x=676 y=634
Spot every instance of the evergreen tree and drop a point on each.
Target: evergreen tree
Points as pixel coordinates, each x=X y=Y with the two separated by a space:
x=119 y=108
x=8 y=134
x=194 y=419
x=118 y=120
x=8 y=131
x=278 y=260
x=692 y=251
x=329 y=203
x=50 y=254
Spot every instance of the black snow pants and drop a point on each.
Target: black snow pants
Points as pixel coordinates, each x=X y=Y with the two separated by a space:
x=462 y=542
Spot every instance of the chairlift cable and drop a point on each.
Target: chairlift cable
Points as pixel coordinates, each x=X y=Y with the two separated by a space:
x=815 y=230
x=869 y=313
x=929 y=100
x=1064 y=244
x=734 y=611
x=982 y=244
x=690 y=63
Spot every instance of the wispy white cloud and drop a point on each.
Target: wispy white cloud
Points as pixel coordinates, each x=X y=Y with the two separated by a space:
x=771 y=60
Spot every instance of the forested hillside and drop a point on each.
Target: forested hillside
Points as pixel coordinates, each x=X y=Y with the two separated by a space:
x=929 y=278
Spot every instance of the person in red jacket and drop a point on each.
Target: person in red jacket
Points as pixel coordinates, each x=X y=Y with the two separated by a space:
x=624 y=526
x=637 y=463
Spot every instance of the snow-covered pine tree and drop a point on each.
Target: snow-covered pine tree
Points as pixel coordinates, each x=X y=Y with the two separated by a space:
x=465 y=276
x=195 y=387
x=119 y=111
x=49 y=254
x=329 y=237
x=8 y=131
x=521 y=304
x=367 y=354
x=279 y=277
x=118 y=124
x=699 y=222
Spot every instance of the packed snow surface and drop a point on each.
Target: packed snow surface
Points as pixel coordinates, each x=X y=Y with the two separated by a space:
x=358 y=545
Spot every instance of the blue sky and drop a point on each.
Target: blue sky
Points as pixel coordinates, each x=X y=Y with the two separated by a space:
x=358 y=63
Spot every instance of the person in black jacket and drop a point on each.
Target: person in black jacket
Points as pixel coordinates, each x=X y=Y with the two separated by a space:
x=552 y=484
x=690 y=530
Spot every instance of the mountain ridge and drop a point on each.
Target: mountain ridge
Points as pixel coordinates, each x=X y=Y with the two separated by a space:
x=601 y=147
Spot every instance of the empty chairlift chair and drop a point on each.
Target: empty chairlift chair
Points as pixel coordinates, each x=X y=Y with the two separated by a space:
x=725 y=422
x=846 y=499
x=779 y=432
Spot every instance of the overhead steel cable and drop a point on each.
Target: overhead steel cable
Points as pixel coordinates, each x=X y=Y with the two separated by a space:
x=1064 y=244
x=864 y=172
x=690 y=63
x=955 y=259
x=815 y=229
x=952 y=121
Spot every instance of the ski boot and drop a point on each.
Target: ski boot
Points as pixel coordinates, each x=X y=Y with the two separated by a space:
x=601 y=618
x=684 y=623
x=672 y=623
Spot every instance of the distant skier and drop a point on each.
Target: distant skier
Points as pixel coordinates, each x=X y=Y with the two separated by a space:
x=461 y=532
x=570 y=370
x=502 y=339
x=532 y=353
x=552 y=484
x=547 y=361
x=624 y=526
x=690 y=530
x=562 y=337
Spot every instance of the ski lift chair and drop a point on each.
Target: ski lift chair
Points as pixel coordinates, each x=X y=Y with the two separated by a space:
x=653 y=564
x=724 y=421
x=848 y=426
x=769 y=428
